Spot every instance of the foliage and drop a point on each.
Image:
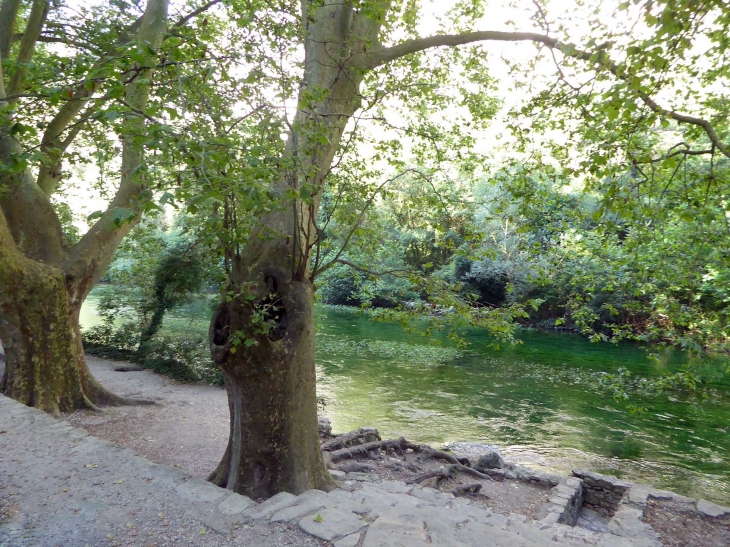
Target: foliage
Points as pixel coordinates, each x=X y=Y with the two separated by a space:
x=177 y=355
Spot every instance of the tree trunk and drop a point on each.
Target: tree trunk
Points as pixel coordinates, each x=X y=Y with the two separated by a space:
x=43 y=283
x=274 y=443
x=264 y=338
x=39 y=326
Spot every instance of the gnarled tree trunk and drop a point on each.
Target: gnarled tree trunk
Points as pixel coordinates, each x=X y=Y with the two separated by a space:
x=273 y=444
x=270 y=376
x=39 y=326
x=43 y=282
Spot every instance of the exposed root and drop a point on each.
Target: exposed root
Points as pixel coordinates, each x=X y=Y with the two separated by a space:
x=364 y=450
x=107 y=398
x=428 y=452
x=360 y=436
x=219 y=476
x=357 y=467
x=89 y=404
x=445 y=473
x=471 y=488
x=128 y=368
x=472 y=472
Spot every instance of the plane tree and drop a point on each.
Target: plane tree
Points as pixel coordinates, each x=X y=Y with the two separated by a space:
x=358 y=55
x=78 y=84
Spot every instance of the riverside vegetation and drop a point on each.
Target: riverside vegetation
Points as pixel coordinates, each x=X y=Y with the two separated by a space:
x=370 y=150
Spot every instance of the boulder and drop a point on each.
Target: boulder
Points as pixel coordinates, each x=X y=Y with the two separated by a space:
x=489 y=460
x=325 y=427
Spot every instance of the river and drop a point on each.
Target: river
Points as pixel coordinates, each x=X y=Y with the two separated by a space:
x=539 y=402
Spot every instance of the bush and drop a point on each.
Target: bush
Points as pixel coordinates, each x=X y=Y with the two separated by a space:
x=175 y=356
x=339 y=286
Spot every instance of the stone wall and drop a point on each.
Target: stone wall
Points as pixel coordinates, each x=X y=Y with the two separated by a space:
x=602 y=493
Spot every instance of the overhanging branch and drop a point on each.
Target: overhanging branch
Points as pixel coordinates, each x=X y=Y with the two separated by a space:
x=599 y=57
x=370 y=272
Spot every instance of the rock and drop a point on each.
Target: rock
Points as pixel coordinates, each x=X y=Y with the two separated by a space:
x=710 y=509
x=300 y=510
x=489 y=460
x=234 y=504
x=628 y=522
x=331 y=524
x=348 y=541
x=337 y=475
x=325 y=427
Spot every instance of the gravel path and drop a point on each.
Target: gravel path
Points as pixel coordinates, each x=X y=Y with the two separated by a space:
x=188 y=429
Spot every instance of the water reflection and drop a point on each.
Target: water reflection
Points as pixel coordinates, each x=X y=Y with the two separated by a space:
x=539 y=402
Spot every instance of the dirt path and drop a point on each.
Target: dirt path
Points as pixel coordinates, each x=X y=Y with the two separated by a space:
x=188 y=429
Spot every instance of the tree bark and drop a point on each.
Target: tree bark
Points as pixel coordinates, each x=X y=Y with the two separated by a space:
x=264 y=341
x=274 y=443
x=39 y=326
x=42 y=282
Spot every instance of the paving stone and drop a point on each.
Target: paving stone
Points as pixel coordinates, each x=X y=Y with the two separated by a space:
x=340 y=495
x=551 y=518
x=331 y=524
x=628 y=522
x=711 y=509
x=348 y=541
x=197 y=489
x=234 y=504
x=637 y=495
x=272 y=505
x=667 y=495
x=432 y=496
x=396 y=487
x=391 y=532
x=447 y=540
x=294 y=512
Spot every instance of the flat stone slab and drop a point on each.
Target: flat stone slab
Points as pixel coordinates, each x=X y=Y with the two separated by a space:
x=196 y=489
x=80 y=487
x=348 y=541
x=388 y=531
x=331 y=524
x=235 y=504
x=713 y=510
x=272 y=505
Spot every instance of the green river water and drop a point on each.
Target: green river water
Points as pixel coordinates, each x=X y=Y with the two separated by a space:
x=539 y=402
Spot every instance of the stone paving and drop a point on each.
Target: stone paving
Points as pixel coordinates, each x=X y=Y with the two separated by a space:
x=72 y=489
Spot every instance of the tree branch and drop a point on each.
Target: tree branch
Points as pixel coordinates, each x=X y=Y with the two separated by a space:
x=370 y=272
x=36 y=20
x=205 y=7
x=383 y=56
x=369 y=202
x=90 y=257
x=8 y=14
x=49 y=173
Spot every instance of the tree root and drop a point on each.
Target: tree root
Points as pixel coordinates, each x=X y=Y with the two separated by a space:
x=444 y=473
x=471 y=488
x=363 y=450
x=357 y=467
x=472 y=472
x=362 y=435
x=109 y=399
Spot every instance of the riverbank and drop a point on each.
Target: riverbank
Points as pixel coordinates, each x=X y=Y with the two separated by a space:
x=188 y=432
